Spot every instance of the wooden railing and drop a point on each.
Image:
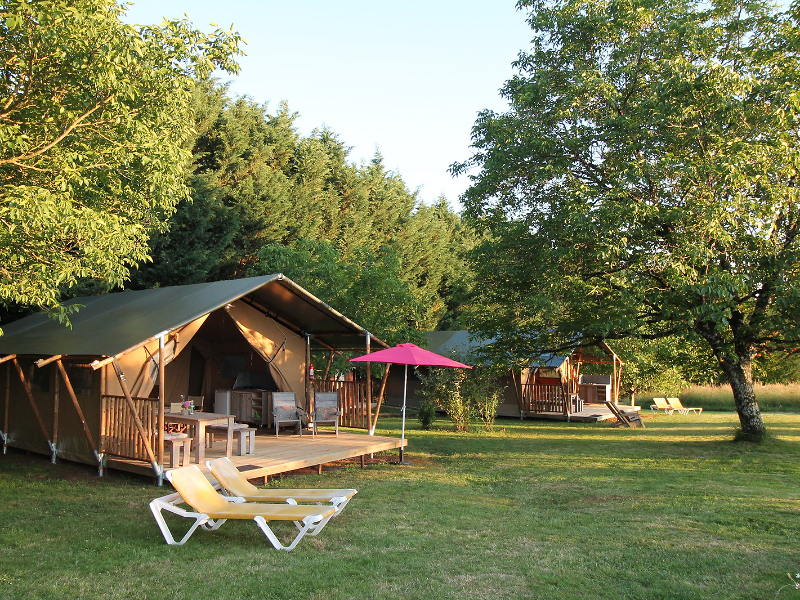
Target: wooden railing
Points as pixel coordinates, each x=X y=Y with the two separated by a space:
x=538 y=398
x=353 y=401
x=118 y=433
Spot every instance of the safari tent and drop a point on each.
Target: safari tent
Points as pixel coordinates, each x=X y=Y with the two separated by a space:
x=553 y=385
x=91 y=392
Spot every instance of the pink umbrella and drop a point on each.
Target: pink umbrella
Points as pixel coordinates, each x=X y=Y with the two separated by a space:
x=408 y=354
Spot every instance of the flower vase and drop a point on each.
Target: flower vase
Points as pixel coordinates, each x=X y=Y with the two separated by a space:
x=184 y=411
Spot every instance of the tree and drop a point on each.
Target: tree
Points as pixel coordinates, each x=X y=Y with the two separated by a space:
x=643 y=182
x=94 y=115
x=365 y=286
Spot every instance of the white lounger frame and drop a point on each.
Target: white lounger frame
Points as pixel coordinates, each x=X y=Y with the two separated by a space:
x=311 y=525
x=337 y=502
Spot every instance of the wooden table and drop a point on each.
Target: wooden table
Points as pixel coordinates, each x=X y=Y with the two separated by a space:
x=199 y=420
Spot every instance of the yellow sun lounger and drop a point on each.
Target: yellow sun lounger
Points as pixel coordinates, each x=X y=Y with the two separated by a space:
x=232 y=480
x=661 y=404
x=682 y=410
x=212 y=509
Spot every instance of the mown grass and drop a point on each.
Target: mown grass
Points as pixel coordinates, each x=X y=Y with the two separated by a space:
x=770 y=398
x=531 y=510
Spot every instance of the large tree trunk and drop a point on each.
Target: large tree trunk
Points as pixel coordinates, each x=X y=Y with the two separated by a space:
x=740 y=376
x=738 y=367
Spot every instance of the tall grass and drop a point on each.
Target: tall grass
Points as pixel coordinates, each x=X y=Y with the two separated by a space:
x=533 y=509
x=772 y=397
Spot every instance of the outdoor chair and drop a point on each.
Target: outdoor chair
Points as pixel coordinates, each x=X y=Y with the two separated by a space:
x=326 y=410
x=626 y=419
x=237 y=484
x=285 y=410
x=211 y=510
x=661 y=404
x=677 y=405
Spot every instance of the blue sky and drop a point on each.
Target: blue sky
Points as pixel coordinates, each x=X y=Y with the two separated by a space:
x=405 y=77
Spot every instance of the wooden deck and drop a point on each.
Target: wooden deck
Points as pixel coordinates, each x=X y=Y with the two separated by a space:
x=289 y=452
x=591 y=413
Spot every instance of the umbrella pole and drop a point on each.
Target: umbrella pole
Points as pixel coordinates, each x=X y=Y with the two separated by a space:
x=403 y=426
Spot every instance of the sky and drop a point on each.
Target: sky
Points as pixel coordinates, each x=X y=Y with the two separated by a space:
x=403 y=77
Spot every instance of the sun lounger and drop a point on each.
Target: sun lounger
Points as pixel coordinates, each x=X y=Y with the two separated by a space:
x=212 y=509
x=237 y=485
x=625 y=418
x=661 y=404
x=677 y=405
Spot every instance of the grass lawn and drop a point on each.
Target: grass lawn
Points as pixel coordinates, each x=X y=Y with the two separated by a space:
x=531 y=510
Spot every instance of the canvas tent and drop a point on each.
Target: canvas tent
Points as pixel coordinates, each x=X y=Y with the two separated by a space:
x=458 y=345
x=65 y=391
x=543 y=387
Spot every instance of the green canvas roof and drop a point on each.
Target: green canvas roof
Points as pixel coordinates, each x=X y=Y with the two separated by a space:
x=110 y=324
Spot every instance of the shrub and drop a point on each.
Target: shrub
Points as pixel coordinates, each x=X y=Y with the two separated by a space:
x=442 y=387
x=427 y=413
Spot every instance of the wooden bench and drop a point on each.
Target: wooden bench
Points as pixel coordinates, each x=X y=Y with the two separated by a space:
x=177 y=442
x=240 y=431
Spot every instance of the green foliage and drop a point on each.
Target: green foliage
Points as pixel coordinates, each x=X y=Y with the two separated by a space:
x=480 y=386
x=266 y=199
x=426 y=414
x=366 y=286
x=442 y=386
x=643 y=183
x=94 y=115
x=463 y=394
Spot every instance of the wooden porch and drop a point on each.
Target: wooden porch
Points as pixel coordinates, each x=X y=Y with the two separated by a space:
x=288 y=452
x=590 y=413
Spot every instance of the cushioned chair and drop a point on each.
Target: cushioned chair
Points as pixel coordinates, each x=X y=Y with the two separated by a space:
x=236 y=484
x=326 y=410
x=285 y=410
x=211 y=510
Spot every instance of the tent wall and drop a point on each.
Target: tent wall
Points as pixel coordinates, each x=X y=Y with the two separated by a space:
x=62 y=424
x=284 y=351
x=141 y=365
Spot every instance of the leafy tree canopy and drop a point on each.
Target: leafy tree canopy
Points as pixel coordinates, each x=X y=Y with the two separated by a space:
x=94 y=115
x=266 y=199
x=644 y=182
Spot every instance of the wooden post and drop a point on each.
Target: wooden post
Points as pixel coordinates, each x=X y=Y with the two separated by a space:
x=374 y=423
x=137 y=421
x=328 y=364
x=35 y=408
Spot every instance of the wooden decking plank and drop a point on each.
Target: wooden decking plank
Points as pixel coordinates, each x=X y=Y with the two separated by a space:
x=286 y=453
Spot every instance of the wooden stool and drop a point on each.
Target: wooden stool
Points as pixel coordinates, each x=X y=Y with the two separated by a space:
x=176 y=442
x=240 y=431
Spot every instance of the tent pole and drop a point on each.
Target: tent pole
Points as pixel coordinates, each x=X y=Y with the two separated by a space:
x=56 y=403
x=137 y=421
x=403 y=425
x=35 y=408
x=162 y=401
x=307 y=403
x=8 y=400
x=369 y=381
